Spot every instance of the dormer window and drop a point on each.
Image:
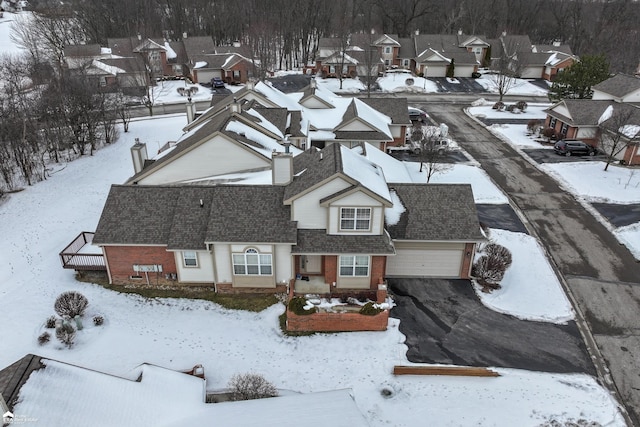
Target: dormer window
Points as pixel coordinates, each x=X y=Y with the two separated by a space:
x=355 y=219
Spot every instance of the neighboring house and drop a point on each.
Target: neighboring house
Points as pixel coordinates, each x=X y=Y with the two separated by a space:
x=355 y=56
x=389 y=48
x=320 y=117
x=619 y=88
x=530 y=61
x=45 y=390
x=327 y=213
x=576 y=119
x=195 y=57
x=435 y=52
x=107 y=70
x=586 y=119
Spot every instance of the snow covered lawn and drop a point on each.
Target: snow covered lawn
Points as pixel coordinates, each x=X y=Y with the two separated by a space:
x=587 y=181
x=179 y=333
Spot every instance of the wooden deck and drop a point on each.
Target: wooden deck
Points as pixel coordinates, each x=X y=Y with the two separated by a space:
x=80 y=255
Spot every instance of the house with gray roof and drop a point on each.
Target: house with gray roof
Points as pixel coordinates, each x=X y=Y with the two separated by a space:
x=326 y=222
x=598 y=120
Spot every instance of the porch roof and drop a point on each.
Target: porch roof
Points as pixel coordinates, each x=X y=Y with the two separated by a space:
x=319 y=242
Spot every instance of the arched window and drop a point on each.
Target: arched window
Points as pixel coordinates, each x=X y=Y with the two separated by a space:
x=251 y=262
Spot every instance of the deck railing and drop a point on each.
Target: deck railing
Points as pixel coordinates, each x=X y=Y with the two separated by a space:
x=72 y=257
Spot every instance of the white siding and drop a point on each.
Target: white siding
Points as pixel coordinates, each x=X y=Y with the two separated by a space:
x=205 y=75
x=531 y=72
x=283 y=263
x=357 y=125
x=203 y=273
x=314 y=103
x=213 y=157
x=463 y=70
x=307 y=210
x=222 y=258
x=358 y=199
x=562 y=110
x=586 y=133
x=426 y=260
x=396 y=131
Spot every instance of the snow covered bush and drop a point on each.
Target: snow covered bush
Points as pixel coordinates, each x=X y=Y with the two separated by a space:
x=299 y=306
x=44 y=338
x=50 y=323
x=66 y=333
x=98 y=320
x=370 y=309
x=498 y=106
x=489 y=269
x=549 y=133
x=522 y=106
x=71 y=304
x=533 y=126
x=251 y=386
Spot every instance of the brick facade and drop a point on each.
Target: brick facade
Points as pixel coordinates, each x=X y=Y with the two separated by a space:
x=377 y=271
x=465 y=270
x=337 y=322
x=122 y=258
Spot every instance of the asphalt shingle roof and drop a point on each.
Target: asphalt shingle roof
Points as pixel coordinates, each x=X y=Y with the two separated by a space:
x=395 y=108
x=585 y=112
x=619 y=85
x=317 y=166
x=319 y=242
x=173 y=216
x=436 y=212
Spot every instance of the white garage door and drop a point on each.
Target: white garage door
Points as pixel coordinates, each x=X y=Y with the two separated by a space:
x=421 y=262
x=204 y=75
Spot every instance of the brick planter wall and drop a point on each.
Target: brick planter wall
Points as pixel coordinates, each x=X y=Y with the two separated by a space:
x=337 y=322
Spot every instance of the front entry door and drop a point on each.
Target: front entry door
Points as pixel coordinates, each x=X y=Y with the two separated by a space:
x=311 y=264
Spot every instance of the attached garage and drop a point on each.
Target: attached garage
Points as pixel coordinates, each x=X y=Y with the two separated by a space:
x=204 y=75
x=415 y=259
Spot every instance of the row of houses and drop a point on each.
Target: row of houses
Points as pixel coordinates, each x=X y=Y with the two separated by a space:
x=612 y=115
x=274 y=192
x=137 y=61
x=432 y=54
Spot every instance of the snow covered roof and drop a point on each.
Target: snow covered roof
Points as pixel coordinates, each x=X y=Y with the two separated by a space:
x=68 y=395
x=335 y=408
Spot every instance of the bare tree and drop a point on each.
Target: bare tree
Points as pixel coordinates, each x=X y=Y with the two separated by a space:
x=620 y=128
x=430 y=147
x=46 y=33
x=506 y=68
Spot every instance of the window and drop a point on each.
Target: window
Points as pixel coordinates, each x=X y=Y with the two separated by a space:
x=355 y=218
x=405 y=62
x=387 y=49
x=387 y=62
x=251 y=262
x=354 y=265
x=552 y=123
x=190 y=259
x=564 y=129
x=236 y=74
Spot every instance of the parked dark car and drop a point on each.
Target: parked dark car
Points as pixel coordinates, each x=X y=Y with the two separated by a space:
x=417 y=115
x=217 y=82
x=570 y=147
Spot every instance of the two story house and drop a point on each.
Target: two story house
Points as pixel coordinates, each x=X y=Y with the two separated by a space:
x=328 y=222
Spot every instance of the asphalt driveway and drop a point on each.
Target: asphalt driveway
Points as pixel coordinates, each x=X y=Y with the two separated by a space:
x=445 y=322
